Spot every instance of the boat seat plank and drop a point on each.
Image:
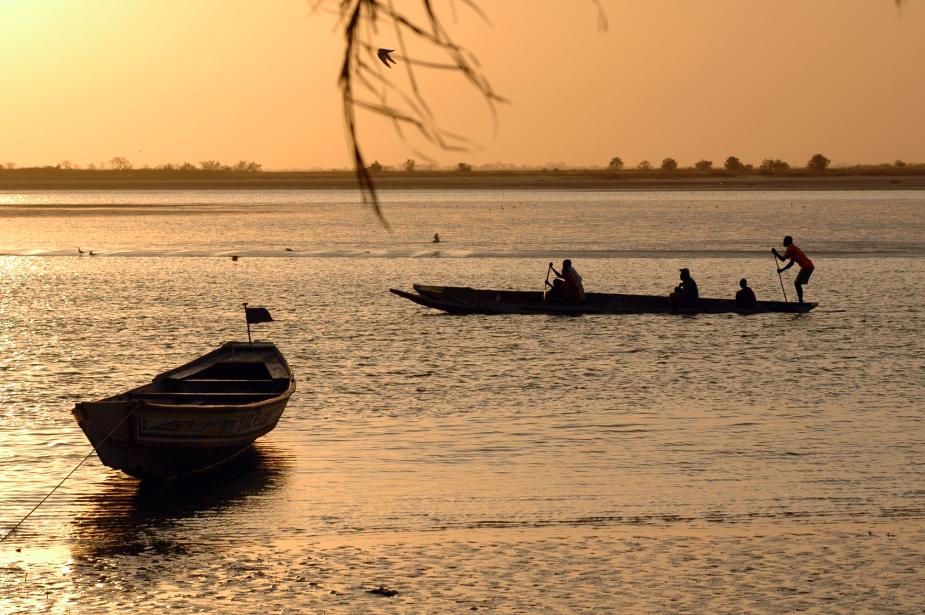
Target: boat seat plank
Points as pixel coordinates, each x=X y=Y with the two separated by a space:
x=208 y=385
x=230 y=380
x=205 y=395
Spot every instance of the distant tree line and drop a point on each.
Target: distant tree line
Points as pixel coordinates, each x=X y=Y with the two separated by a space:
x=120 y=163
x=817 y=164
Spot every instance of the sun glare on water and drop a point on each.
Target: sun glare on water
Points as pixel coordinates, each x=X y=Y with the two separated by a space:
x=12 y=199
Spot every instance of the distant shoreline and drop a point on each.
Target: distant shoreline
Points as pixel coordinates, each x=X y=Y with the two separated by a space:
x=12 y=180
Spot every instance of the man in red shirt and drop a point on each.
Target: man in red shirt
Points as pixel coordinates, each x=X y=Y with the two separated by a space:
x=795 y=255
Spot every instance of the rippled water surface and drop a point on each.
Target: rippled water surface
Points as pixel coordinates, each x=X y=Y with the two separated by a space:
x=504 y=464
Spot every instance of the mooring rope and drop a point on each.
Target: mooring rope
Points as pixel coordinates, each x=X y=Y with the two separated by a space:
x=92 y=450
x=47 y=496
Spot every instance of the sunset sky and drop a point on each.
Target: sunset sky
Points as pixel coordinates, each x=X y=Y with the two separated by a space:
x=161 y=81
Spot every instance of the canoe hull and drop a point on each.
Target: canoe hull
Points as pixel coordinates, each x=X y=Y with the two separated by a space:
x=181 y=425
x=465 y=300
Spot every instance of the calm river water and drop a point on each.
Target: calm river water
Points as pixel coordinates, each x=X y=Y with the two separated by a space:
x=506 y=464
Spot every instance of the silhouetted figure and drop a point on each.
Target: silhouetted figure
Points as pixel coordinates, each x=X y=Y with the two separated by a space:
x=745 y=296
x=436 y=238
x=795 y=255
x=574 y=289
x=234 y=258
x=383 y=55
x=686 y=293
x=556 y=291
x=79 y=251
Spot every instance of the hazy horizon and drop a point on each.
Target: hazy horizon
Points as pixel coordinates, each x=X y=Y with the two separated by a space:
x=171 y=81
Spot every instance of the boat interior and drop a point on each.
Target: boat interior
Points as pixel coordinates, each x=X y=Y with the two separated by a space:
x=219 y=383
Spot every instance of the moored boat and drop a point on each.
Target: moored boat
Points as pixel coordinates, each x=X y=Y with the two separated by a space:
x=194 y=417
x=465 y=300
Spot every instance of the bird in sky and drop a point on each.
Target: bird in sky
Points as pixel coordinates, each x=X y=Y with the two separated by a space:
x=383 y=55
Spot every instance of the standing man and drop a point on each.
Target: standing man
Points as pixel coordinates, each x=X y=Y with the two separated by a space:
x=795 y=255
x=574 y=289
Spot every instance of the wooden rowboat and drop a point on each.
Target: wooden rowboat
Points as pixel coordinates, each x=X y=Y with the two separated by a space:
x=194 y=417
x=465 y=300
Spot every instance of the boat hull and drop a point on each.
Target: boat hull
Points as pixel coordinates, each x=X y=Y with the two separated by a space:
x=464 y=300
x=181 y=424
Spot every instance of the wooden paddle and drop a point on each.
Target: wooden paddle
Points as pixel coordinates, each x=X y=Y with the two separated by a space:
x=546 y=283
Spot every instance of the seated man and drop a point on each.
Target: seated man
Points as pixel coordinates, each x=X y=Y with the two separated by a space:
x=556 y=291
x=686 y=293
x=745 y=297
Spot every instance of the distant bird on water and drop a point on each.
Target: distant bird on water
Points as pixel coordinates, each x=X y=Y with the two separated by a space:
x=288 y=249
x=383 y=55
x=79 y=251
x=436 y=238
x=91 y=253
x=234 y=258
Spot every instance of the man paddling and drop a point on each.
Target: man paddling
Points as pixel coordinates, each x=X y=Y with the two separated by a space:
x=574 y=289
x=795 y=255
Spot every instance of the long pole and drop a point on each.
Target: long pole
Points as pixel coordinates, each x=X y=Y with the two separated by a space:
x=248 y=325
x=779 y=277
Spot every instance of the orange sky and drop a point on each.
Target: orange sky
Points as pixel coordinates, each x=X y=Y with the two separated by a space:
x=189 y=80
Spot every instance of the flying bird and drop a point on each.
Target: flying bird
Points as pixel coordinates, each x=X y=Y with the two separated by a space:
x=383 y=55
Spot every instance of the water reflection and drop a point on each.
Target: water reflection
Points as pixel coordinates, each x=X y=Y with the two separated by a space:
x=128 y=517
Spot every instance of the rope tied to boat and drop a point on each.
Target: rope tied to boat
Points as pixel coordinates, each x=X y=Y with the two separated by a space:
x=87 y=456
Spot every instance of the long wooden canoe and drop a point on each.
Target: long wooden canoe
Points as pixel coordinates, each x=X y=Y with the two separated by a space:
x=465 y=300
x=194 y=417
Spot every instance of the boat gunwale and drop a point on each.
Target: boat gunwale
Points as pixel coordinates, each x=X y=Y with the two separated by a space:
x=134 y=396
x=190 y=407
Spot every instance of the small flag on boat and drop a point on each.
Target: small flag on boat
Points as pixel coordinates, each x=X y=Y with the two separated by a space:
x=257 y=314
x=253 y=315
